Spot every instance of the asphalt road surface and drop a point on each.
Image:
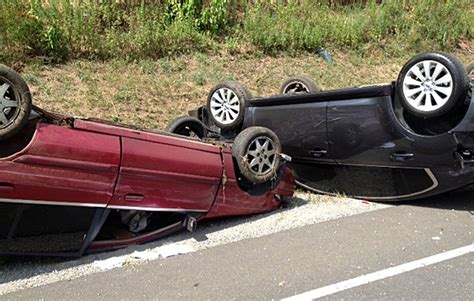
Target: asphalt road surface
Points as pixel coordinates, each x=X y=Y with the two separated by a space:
x=414 y=241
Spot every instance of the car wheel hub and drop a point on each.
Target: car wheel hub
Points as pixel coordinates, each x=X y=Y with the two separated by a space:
x=261 y=155
x=8 y=103
x=427 y=86
x=225 y=105
x=295 y=88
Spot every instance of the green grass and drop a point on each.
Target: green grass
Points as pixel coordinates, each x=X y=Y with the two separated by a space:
x=413 y=25
x=61 y=30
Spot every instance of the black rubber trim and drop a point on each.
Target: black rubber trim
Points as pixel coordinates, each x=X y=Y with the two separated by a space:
x=339 y=94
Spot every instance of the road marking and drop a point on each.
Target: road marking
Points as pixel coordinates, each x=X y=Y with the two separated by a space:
x=379 y=275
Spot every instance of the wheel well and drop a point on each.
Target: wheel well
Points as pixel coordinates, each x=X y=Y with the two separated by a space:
x=433 y=126
x=19 y=141
x=258 y=189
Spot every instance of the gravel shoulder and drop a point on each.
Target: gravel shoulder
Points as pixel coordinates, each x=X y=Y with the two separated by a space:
x=17 y=273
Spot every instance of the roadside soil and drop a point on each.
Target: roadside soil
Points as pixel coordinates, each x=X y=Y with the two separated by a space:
x=150 y=93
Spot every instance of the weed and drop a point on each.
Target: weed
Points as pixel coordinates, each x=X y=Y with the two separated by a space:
x=413 y=24
x=85 y=75
x=147 y=66
x=30 y=78
x=199 y=78
x=165 y=64
x=59 y=30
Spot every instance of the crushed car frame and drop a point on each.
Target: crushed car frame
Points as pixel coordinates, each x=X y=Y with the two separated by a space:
x=69 y=186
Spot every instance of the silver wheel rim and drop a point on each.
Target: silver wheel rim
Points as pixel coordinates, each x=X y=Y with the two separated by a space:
x=427 y=86
x=9 y=105
x=295 y=87
x=261 y=155
x=225 y=106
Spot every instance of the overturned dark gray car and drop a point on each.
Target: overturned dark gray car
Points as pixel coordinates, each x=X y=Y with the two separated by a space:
x=409 y=139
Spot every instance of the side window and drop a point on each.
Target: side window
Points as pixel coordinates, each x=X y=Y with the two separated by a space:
x=384 y=182
x=320 y=177
x=43 y=229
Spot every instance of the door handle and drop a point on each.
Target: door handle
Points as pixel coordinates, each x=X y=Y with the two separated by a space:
x=402 y=156
x=134 y=197
x=318 y=153
x=6 y=187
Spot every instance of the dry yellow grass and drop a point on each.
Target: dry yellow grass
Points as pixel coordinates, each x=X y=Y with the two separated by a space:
x=150 y=93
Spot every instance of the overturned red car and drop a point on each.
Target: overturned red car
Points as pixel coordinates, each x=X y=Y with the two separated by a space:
x=70 y=186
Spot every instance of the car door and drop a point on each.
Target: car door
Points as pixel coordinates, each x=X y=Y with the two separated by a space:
x=166 y=173
x=62 y=166
x=300 y=123
x=54 y=192
x=377 y=156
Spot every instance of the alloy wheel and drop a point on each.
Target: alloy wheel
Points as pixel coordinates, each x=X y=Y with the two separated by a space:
x=261 y=156
x=225 y=105
x=428 y=85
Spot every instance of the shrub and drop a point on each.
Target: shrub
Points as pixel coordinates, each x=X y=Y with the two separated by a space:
x=62 y=29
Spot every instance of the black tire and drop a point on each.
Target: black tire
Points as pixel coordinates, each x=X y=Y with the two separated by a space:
x=228 y=113
x=299 y=84
x=257 y=152
x=187 y=126
x=470 y=72
x=425 y=96
x=15 y=102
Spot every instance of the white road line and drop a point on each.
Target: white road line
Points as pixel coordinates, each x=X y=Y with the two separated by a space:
x=379 y=275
